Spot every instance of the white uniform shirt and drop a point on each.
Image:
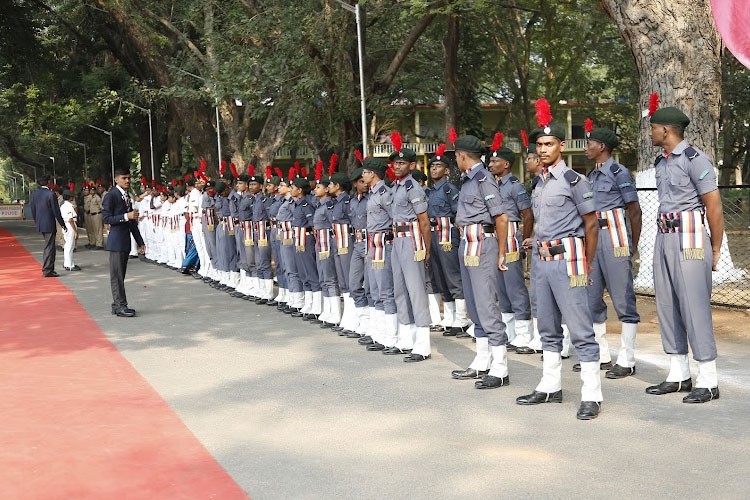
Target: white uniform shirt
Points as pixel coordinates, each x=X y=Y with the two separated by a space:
x=68 y=212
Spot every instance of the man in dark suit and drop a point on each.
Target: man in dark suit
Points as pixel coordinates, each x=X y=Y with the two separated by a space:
x=118 y=212
x=45 y=210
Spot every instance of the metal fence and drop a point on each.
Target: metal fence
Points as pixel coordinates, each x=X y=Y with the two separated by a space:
x=731 y=281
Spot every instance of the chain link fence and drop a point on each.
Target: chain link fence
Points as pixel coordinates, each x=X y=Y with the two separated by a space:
x=731 y=281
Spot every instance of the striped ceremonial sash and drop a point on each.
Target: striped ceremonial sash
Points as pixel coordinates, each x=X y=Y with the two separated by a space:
x=513 y=252
x=210 y=219
x=443 y=229
x=260 y=227
x=300 y=235
x=286 y=234
x=230 y=224
x=473 y=234
x=574 y=255
x=691 y=227
x=618 y=231
x=417 y=242
x=376 y=247
x=341 y=233
x=248 y=228
x=324 y=243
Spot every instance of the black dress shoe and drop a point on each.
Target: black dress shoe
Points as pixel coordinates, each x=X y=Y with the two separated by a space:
x=396 y=350
x=415 y=358
x=670 y=387
x=260 y=301
x=271 y=302
x=510 y=347
x=53 y=274
x=492 y=382
x=618 y=371
x=237 y=295
x=337 y=328
x=602 y=366
x=365 y=340
x=701 y=395
x=436 y=328
x=463 y=334
x=526 y=350
x=354 y=335
x=343 y=333
x=309 y=317
x=468 y=374
x=323 y=324
x=376 y=346
x=74 y=268
x=125 y=313
x=588 y=410
x=297 y=313
x=451 y=332
x=537 y=397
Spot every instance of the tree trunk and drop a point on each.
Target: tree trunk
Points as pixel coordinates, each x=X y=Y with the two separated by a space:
x=450 y=74
x=271 y=137
x=677 y=51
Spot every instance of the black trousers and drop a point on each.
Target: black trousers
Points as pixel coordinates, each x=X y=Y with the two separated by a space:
x=50 y=252
x=118 y=266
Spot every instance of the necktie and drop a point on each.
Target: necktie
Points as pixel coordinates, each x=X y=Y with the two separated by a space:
x=545 y=174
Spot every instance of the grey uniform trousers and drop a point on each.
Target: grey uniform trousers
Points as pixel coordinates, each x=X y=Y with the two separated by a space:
x=532 y=278
x=343 y=264
x=278 y=259
x=557 y=302
x=683 y=298
x=480 y=291
x=616 y=275
x=327 y=276
x=445 y=269
x=381 y=283
x=514 y=296
x=262 y=258
x=359 y=278
x=239 y=242
x=250 y=258
x=289 y=257
x=306 y=266
x=209 y=237
x=409 y=284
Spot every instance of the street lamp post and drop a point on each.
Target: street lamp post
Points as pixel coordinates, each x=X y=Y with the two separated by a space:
x=150 y=134
x=111 y=147
x=23 y=183
x=54 y=171
x=360 y=52
x=85 y=157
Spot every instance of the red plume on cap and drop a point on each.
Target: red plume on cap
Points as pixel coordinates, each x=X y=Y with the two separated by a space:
x=174 y=182
x=202 y=166
x=588 y=126
x=98 y=182
x=153 y=182
x=72 y=186
x=269 y=171
x=278 y=172
x=497 y=142
x=143 y=180
x=333 y=164
x=396 y=141
x=187 y=177
x=302 y=171
x=440 y=151
x=204 y=177
x=195 y=174
x=390 y=173
x=653 y=103
x=452 y=135
x=524 y=138
x=222 y=167
x=358 y=156
x=318 y=170
x=233 y=167
x=292 y=172
x=250 y=169
x=543 y=112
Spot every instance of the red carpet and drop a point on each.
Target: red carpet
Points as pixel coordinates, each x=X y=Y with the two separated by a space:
x=77 y=420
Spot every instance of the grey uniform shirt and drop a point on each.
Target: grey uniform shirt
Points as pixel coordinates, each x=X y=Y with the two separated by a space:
x=515 y=196
x=562 y=199
x=358 y=210
x=379 y=208
x=479 y=201
x=246 y=207
x=681 y=181
x=286 y=210
x=409 y=200
x=234 y=204
x=259 y=208
x=339 y=214
x=612 y=185
x=442 y=199
x=322 y=216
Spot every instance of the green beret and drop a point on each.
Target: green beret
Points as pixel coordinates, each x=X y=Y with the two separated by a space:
x=275 y=180
x=418 y=175
x=532 y=142
x=605 y=136
x=470 y=144
x=255 y=178
x=376 y=165
x=244 y=178
x=340 y=178
x=301 y=183
x=356 y=174
x=406 y=154
x=325 y=180
x=550 y=130
x=210 y=184
x=220 y=186
x=180 y=190
x=69 y=193
x=504 y=153
x=444 y=158
x=670 y=116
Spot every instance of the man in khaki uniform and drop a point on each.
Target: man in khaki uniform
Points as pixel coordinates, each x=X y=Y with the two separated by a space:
x=87 y=216
x=96 y=238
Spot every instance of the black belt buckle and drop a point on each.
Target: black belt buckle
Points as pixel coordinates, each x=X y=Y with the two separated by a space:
x=488 y=228
x=603 y=223
x=548 y=252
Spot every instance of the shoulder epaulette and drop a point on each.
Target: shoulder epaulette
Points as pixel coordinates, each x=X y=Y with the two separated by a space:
x=658 y=159
x=347 y=201
x=448 y=190
x=572 y=177
x=691 y=153
x=616 y=168
x=480 y=176
x=408 y=185
x=382 y=190
x=305 y=204
x=329 y=204
x=534 y=182
x=513 y=178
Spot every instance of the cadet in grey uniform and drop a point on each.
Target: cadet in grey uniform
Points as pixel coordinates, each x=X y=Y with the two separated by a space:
x=688 y=196
x=513 y=289
x=209 y=221
x=566 y=232
x=343 y=241
x=274 y=188
x=284 y=217
x=383 y=324
x=359 y=280
x=261 y=236
x=329 y=285
x=304 y=241
x=411 y=251
x=442 y=204
x=484 y=228
x=614 y=195
x=235 y=207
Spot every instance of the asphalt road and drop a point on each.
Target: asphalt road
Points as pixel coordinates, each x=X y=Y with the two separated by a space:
x=293 y=411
